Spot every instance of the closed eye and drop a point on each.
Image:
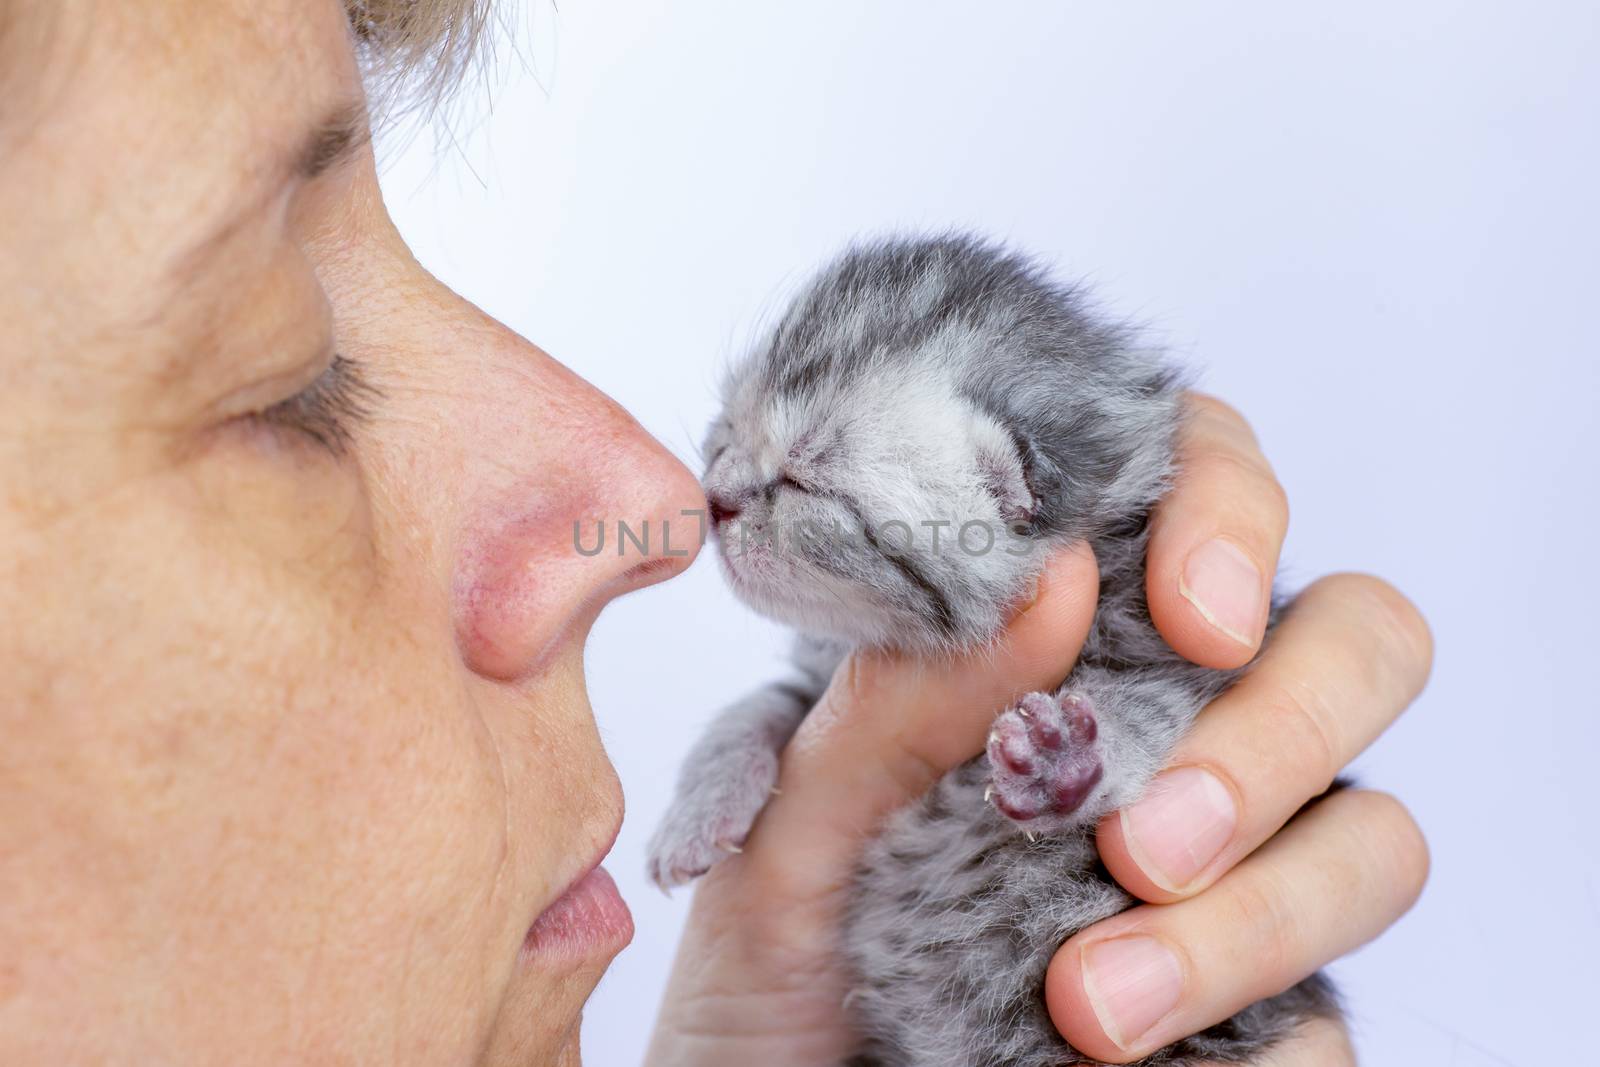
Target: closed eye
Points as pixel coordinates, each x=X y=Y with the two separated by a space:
x=789 y=480
x=329 y=408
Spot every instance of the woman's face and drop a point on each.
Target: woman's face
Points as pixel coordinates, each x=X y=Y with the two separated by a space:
x=291 y=623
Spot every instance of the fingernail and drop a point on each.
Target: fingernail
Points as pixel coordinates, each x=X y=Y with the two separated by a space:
x=1030 y=596
x=1219 y=580
x=1179 y=826
x=1131 y=982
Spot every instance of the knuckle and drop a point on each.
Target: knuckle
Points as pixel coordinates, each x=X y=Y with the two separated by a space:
x=1209 y=410
x=1265 y=904
x=1244 y=481
x=1401 y=633
x=1310 y=727
x=1275 y=501
x=1405 y=845
x=1218 y=431
x=910 y=767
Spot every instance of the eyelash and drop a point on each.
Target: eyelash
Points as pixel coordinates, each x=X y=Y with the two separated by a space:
x=329 y=408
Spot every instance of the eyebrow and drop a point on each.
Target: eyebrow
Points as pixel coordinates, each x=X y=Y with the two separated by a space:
x=332 y=141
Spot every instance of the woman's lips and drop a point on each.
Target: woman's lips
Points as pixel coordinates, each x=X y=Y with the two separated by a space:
x=589 y=919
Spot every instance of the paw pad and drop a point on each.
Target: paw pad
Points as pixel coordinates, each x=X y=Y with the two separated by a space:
x=1043 y=759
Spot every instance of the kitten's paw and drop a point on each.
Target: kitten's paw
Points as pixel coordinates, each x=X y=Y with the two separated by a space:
x=710 y=823
x=1044 y=760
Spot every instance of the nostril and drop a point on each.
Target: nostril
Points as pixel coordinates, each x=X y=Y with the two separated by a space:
x=722 y=508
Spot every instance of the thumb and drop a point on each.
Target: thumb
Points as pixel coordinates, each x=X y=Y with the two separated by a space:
x=891 y=723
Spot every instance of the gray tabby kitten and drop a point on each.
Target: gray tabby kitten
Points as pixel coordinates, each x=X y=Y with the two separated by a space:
x=891 y=467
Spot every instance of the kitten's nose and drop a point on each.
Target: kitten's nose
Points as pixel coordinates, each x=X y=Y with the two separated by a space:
x=722 y=507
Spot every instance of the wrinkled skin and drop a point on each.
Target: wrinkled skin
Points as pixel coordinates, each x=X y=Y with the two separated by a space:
x=296 y=748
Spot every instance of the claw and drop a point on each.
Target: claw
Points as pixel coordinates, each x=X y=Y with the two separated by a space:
x=988 y=793
x=728 y=846
x=1030 y=835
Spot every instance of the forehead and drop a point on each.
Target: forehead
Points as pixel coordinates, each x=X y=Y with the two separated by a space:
x=892 y=406
x=151 y=122
x=213 y=75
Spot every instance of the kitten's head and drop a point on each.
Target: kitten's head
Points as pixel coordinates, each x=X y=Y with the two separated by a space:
x=926 y=419
x=887 y=510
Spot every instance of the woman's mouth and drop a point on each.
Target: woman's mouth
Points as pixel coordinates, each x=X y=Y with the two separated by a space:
x=589 y=920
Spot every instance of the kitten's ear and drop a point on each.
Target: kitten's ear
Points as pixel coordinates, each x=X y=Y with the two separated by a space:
x=1005 y=474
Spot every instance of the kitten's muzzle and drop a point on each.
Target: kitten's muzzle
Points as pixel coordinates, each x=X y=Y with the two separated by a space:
x=722 y=507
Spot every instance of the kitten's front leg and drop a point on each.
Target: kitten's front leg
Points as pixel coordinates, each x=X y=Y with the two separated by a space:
x=1062 y=760
x=725 y=782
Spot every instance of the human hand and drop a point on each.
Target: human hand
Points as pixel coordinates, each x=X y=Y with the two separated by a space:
x=1245 y=910
x=758 y=978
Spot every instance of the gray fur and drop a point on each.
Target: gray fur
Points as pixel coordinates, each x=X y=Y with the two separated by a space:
x=914 y=383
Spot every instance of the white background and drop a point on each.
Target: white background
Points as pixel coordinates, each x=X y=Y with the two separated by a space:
x=1372 y=224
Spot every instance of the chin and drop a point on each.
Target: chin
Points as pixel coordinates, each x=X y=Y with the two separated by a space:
x=571 y=1054
x=808 y=603
x=540 y=1017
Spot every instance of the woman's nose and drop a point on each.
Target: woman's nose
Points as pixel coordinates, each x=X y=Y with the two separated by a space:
x=591 y=508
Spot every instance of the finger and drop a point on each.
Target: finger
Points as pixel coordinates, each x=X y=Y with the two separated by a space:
x=891 y=724
x=1214 y=540
x=1347 y=659
x=1336 y=877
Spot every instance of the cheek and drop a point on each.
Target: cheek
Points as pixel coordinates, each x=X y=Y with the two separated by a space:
x=256 y=757
x=364 y=815
x=284 y=499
